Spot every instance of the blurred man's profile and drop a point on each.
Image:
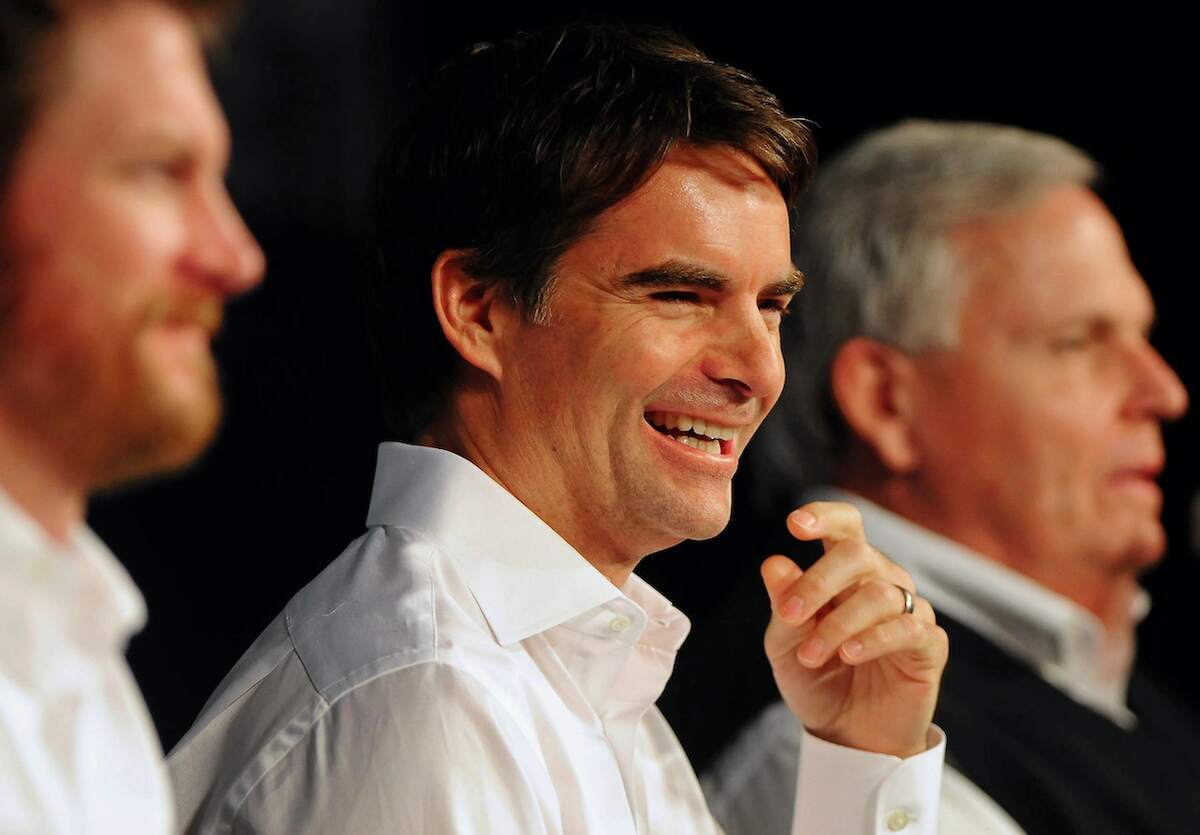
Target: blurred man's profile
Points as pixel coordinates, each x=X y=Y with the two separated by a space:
x=118 y=248
x=972 y=369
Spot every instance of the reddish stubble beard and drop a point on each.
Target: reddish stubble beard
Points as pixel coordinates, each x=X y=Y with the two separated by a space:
x=103 y=405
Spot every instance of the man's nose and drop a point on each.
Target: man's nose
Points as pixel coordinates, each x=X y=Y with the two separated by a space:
x=744 y=354
x=223 y=252
x=1159 y=391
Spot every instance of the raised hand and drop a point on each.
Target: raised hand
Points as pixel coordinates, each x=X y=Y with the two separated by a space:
x=850 y=662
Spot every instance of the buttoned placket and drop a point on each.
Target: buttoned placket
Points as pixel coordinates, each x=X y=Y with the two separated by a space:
x=620 y=677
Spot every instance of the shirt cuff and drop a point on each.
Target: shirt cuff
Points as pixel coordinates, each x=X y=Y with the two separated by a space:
x=844 y=791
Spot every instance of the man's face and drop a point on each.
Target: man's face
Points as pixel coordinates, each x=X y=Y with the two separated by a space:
x=1040 y=434
x=120 y=247
x=667 y=310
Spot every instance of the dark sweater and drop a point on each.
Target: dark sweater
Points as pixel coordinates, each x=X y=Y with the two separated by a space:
x=1058 y=767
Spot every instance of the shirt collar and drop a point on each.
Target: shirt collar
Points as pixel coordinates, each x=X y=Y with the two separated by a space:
x=524 y=576
x=80 y=579
x=667 y=627
x=1063 y=640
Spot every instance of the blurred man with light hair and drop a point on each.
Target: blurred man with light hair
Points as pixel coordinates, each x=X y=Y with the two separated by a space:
x=118 y=247
x=972 y=369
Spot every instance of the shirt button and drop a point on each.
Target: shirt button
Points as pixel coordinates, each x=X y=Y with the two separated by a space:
x=897 y=819
x=619 y=624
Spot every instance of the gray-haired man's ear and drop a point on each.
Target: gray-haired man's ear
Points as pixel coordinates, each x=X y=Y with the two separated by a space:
x=872 y=386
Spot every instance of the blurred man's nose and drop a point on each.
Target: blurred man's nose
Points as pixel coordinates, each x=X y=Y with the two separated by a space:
x=224 y=254
x=1158 y=390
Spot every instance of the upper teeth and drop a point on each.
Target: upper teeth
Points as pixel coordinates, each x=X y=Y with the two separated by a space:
x=697 y=425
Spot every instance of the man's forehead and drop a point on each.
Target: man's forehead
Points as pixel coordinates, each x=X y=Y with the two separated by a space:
x=710 y=206
x=1049 y=294
x=133 y=72
x=1062 y=255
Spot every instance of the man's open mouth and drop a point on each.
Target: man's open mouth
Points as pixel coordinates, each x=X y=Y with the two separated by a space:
x=693 y=431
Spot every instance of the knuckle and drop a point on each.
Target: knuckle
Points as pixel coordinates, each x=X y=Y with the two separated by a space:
x=833 y=628
x=819 y=585
x=926 y=611
x=880 y=563
x=853 y=514
x=941 y=638
x=906 y=630
x=880 y=593
x=861 y=553
x=891 y=633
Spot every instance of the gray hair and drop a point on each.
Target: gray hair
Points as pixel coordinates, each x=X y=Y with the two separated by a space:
x=873 y=238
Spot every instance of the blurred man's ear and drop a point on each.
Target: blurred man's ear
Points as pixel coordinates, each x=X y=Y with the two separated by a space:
x=474 y=314
x=872 y=386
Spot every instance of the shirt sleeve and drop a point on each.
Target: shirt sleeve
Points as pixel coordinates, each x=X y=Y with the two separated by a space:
x=967 y=810
x=387 y=757
x=844 y=791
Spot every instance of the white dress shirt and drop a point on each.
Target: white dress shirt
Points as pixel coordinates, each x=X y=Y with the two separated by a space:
x=461 y=669
x=1064 y=642
x=78 y=753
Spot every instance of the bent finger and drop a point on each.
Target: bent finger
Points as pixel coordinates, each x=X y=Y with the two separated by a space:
x=873 y=602
x=919 y=646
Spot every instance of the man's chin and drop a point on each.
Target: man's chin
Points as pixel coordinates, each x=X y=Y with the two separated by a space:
x=711 y=529
x=1142 y=546
x=1149 y=549
x=161 y=431
x=694 y=523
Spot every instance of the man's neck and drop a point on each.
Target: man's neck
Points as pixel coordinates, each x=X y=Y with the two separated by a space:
x=35 y=483
x=605 y=557
x=1110 y=597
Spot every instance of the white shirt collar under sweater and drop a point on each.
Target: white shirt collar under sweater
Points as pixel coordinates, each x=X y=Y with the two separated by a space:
x=1063 y=641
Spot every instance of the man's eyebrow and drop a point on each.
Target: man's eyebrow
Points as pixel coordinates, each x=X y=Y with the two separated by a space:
x=677 y=274
x=789 y=286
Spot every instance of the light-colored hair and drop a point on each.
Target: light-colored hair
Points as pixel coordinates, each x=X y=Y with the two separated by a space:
x=873 y=239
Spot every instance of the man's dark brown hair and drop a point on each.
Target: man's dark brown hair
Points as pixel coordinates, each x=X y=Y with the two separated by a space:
x=515 y=148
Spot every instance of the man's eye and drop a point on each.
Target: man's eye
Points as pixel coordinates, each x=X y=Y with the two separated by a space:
x=678 y=296
x=160 y=168
x=1069 y=343
x=775 y=306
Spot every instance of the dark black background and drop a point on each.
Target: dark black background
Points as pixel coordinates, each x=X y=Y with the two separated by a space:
x=311 y=87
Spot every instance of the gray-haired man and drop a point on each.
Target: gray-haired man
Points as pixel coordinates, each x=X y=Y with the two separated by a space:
x=972 y=370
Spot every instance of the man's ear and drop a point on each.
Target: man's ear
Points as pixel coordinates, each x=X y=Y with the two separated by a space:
x=873 y=388
x=474 y=314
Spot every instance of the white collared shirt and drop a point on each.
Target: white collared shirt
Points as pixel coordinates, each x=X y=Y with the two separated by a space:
x=460 y=669
x=78 y=753
x=1062 y=640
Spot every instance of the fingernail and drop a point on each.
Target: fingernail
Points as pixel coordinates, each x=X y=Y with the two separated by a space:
x=852 y=649
x=803 y=518
x=811 y=651
x=792 y=609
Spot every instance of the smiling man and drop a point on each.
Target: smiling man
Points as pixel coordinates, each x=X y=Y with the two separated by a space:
x=585 y=252
x=118 y=248
x=975 y=373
